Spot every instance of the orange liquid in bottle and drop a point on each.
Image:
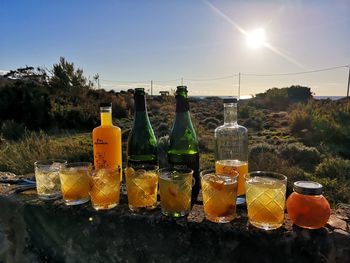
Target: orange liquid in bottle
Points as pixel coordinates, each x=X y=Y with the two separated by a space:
x=107 y=144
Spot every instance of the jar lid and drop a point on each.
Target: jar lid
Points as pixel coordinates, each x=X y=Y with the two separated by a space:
x=308 y=188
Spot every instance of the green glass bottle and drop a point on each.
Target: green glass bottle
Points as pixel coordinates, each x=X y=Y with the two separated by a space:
x=142 y=143
x=183 y=149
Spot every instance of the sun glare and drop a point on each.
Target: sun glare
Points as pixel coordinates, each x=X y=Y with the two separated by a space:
x=256 y=38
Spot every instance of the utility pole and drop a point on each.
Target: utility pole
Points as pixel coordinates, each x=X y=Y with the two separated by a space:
x=151 y=87
x=239 y=85
x=347 y=94
x=182 y=81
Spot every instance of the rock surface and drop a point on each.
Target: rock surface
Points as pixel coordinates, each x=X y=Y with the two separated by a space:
x=36 y=231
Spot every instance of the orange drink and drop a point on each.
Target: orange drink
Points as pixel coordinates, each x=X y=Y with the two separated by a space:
x=219 y=196
x=266 y=195
x=105 y=188
x=229 y=167
x=142 y=185
x=175 y=187
x=75 y=183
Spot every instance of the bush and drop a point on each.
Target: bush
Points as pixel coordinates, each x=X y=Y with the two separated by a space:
x=12 y=130
x=299 y=120
x=163 y=146
x=255 y=123
x=271 y=161
x=333 y=174
x=301 y=155
x=334 y=168
x=246 y=111
x=163 y=129
x=211 y=125
x=211 y=120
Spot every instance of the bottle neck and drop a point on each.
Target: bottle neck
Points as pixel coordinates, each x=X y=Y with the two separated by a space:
x=182 y=104
x=140 y=103
x=106 y=118
x=230 y=113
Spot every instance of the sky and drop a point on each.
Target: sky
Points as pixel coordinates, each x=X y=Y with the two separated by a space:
x=202 y=44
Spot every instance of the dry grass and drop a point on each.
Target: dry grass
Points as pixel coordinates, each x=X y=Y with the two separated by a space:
x=19 y=157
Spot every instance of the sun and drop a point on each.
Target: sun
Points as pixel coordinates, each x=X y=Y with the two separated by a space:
x=256 y=38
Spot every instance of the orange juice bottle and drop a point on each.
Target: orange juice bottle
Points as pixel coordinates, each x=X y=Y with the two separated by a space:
x=107 y=141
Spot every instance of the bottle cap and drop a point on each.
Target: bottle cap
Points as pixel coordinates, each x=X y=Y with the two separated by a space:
x=230 y=100
x=308 y=188
x=106 y=104
x=181 y=88
x=140 y=91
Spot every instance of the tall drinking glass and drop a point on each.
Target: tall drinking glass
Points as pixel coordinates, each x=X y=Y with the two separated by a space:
x=266 y=196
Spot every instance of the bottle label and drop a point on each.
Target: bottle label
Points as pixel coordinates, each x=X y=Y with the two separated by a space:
x=100 y=142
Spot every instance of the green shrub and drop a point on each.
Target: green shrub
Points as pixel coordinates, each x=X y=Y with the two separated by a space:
x=211 y=125
x=334 y=168
x=301 y=155
x=163 y=146
x=12 y=130
x=299 y=120
x=334 y=175
x=211 y=120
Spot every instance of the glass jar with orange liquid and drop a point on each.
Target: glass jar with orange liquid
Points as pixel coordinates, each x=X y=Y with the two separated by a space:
x=231 y=147
x=107 y=141
x=307 y=207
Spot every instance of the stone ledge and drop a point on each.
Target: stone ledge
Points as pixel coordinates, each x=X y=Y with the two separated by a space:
x=35 y=231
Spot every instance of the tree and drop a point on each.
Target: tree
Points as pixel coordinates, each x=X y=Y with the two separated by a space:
x=66 y=79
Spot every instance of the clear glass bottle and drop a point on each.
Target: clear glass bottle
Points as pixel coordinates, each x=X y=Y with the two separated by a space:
x=183 y=148
x=306 y=206
x=107 y=141
x=231 y=147
x=142 y=143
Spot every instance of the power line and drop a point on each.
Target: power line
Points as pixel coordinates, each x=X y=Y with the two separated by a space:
x=228 y=77
x=218 y=78
x=294 y=73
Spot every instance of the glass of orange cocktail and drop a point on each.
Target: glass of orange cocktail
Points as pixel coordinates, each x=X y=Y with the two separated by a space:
x=266 y=196
x=219 y=196
x=141 y=186
x=75 y=182
x=105 y=188
x=175 y=187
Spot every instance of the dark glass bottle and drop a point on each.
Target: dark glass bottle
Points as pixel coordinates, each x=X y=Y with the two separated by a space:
x=142 y=143
x=183 y=149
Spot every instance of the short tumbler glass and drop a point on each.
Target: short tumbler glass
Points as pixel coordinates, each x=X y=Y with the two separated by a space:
x=47 y=178
x=142 y=186
x=266 y=197
x=175 y=186
x=75 y=182
x=219 y=195
x=105 y=188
